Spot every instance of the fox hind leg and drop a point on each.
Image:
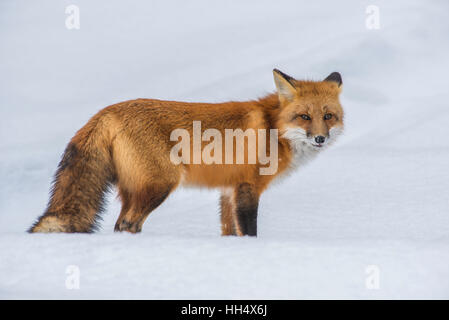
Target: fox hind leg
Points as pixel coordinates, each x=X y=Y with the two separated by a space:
x=125 y=198
x=137 y=206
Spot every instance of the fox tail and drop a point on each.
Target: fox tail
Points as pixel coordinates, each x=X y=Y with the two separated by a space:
x=84 y=175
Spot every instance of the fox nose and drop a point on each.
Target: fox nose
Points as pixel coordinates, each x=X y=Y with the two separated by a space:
x=320 y=139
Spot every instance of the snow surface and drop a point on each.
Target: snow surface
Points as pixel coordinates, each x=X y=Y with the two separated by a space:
x=378 y=197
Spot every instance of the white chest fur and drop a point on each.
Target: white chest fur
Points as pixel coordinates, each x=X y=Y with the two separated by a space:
x=302 y=150
x=302 y=153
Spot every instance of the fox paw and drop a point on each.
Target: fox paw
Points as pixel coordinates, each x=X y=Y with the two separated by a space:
x=124 y=225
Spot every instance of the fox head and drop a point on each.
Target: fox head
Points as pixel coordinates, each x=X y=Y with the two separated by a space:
x=310 y=111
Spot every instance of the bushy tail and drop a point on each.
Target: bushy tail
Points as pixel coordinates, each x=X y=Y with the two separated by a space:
x=83 y=177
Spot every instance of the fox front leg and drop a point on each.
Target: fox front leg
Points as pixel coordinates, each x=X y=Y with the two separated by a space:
x=246 y=202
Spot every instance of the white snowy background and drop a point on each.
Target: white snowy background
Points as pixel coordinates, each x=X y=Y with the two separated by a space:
x=377 y=198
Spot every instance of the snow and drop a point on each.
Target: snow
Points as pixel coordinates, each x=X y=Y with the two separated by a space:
x=377 y=198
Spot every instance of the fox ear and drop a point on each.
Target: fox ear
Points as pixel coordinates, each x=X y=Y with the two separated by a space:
x=335 y=77
x=284 y=85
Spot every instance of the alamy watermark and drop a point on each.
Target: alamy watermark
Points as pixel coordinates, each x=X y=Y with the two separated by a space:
x=72 y=21
x=372 y=281
x=189 y=149
x=372 y=21
x=72 y=281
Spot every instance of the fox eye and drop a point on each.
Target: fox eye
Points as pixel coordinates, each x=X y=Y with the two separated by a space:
x=327 y=116
x=305 y=117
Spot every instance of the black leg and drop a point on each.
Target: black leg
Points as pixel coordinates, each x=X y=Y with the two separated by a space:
x=247 y=202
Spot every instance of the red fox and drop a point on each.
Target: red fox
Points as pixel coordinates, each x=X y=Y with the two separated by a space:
x=130 y=145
